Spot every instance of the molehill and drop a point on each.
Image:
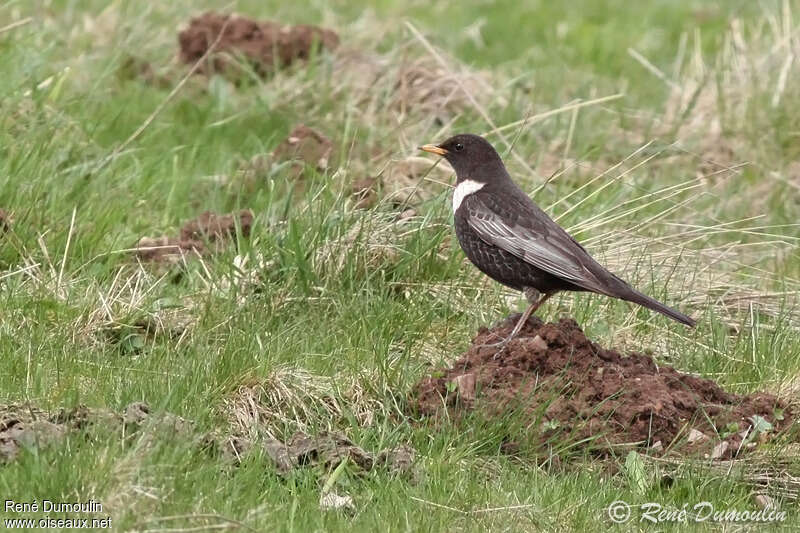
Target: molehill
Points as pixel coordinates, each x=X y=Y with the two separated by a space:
x=565 y=390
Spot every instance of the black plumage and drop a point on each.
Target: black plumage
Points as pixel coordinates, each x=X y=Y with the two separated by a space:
x=510 y=239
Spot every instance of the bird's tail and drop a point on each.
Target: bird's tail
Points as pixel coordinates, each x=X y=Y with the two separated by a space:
x=637 y=297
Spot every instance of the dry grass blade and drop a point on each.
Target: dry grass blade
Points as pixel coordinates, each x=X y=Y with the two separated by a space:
x=293 y=399
x=373 y=240
x=652 y=68
x=17 y=24
x=533 y=119
x=20 y=271
x=777 y=475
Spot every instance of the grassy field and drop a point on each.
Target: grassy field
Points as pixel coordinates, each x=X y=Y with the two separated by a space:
x=664 y=135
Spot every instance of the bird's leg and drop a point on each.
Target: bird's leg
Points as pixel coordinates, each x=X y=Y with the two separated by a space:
x=535 y=302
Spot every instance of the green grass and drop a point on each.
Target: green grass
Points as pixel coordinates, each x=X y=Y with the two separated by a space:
x=360 y=316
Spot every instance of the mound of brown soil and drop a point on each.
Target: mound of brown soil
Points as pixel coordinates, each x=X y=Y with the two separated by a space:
x=304 y=146
x=214 y=228
x=569 y=390
x=264 y=44
x=208 y=228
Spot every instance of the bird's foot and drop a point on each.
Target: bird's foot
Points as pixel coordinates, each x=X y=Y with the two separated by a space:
x=520 y=322
x=499 y=345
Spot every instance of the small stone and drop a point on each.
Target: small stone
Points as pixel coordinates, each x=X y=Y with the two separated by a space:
x=763 y=501
x=278 y=452
x=398 y=460
x=696 y=436
x=136 y=413
x=539 y=343
x=465 y=385
x=332 y=502
x=719 y=450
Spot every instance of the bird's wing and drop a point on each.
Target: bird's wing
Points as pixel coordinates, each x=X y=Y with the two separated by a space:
x=521 y=228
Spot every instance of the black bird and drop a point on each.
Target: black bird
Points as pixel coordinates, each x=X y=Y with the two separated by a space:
x=514 y=242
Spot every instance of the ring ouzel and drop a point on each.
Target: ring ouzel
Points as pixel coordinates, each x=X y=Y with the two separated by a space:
x=511 y=240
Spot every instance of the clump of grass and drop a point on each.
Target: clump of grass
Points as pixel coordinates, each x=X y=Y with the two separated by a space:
x=291 y=399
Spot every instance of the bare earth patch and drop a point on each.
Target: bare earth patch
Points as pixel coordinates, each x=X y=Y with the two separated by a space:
x=217 y=228
x=208 y=233
x=304 y=146
x=364 y=192
x=330 y=449
x=28 y=427
x=266 y=45
x=25 y=426
x=303 y=149
x=570 y=390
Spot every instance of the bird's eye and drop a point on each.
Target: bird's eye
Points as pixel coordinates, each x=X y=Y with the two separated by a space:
x=459 y=147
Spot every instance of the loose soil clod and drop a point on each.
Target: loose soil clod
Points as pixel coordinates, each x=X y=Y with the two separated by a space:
x=264 y=44
x=304 y=146
x=364 y=193
x=568 y=389
x=166 y=249
x=26 y=426
x=206 y=228
x=329 y=449
x=213 y=228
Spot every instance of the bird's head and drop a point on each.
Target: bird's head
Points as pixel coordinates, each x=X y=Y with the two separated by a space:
x=469 y=155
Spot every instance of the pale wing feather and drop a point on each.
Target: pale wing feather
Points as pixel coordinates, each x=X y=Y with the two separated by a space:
x=556 y=254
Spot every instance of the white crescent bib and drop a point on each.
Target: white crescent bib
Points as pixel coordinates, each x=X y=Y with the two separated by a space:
x=464 y=189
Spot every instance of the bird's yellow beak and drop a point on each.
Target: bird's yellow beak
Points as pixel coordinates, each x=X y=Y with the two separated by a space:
x=432 y=148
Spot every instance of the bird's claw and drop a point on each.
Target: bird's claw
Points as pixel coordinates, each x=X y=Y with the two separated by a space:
x=500 y=345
